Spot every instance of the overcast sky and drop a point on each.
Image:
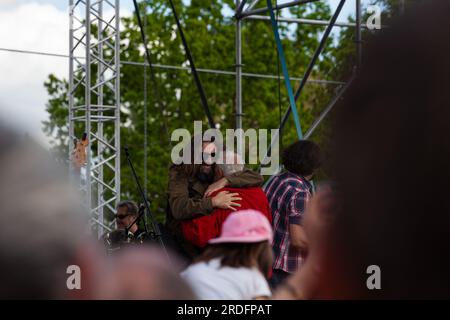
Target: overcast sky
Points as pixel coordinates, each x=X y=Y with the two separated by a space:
x=42 y=25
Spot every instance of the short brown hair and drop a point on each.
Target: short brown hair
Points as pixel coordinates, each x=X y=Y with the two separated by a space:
x=237 y=255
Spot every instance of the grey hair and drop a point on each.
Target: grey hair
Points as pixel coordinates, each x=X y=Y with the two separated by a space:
x=131 y=206
x=232 y=163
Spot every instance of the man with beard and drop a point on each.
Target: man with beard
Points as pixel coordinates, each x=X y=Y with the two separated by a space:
x=187 y=185
x=202 y=228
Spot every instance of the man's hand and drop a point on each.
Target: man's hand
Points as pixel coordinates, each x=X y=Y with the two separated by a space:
x=298 y=238
x=219 y=184
x=225 y=200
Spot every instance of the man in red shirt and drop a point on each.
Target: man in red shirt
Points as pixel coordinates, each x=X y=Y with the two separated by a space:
x=205 y=227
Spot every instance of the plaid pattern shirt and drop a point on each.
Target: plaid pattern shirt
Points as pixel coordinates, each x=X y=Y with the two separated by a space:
x=288 y=194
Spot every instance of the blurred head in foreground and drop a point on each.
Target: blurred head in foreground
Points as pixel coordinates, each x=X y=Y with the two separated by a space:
x=42 y=226
x=142 y=273
x=44 y=239
x=392 y=165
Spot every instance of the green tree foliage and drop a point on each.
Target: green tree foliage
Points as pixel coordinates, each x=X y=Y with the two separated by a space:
x=210 y=32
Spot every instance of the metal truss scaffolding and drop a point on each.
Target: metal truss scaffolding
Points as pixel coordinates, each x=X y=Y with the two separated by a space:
x=94 y=76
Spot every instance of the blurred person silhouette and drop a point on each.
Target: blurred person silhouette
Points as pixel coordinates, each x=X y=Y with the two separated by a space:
x=392 y=158
x=142 y=273
x=42 y=226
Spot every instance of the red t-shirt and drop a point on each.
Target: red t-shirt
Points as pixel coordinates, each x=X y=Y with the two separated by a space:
x=202 y=228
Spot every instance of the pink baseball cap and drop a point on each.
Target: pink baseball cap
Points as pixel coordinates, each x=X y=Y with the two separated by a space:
x=244 y=226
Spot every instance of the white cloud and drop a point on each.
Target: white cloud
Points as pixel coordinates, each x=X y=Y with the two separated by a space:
x=8 y=3
x=35 y=27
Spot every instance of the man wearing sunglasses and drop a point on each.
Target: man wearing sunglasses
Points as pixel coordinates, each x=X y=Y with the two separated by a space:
x=127 y=212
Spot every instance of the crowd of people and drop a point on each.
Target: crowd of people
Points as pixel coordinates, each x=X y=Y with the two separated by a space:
x=229 y=237
x=233 y=229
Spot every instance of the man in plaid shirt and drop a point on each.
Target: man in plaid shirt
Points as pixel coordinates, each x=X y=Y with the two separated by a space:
x=288 y=193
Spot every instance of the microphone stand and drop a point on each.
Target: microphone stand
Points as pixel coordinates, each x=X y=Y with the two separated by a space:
x=140 y=214
x=156 y=231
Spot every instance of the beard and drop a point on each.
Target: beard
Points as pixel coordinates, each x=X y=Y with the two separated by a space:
x=206 y=177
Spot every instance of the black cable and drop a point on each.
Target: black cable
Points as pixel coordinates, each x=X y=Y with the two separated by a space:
x=193 y=69
x=156 y=230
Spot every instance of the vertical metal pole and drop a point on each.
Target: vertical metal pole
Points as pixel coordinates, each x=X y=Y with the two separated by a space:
x=145 y=126
x=238 y=72
x=402 y=7
x=358 y=36
x=71 y=84
x=88 y=104
x=117 y=109
x=100 y=78
x=145 y=118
